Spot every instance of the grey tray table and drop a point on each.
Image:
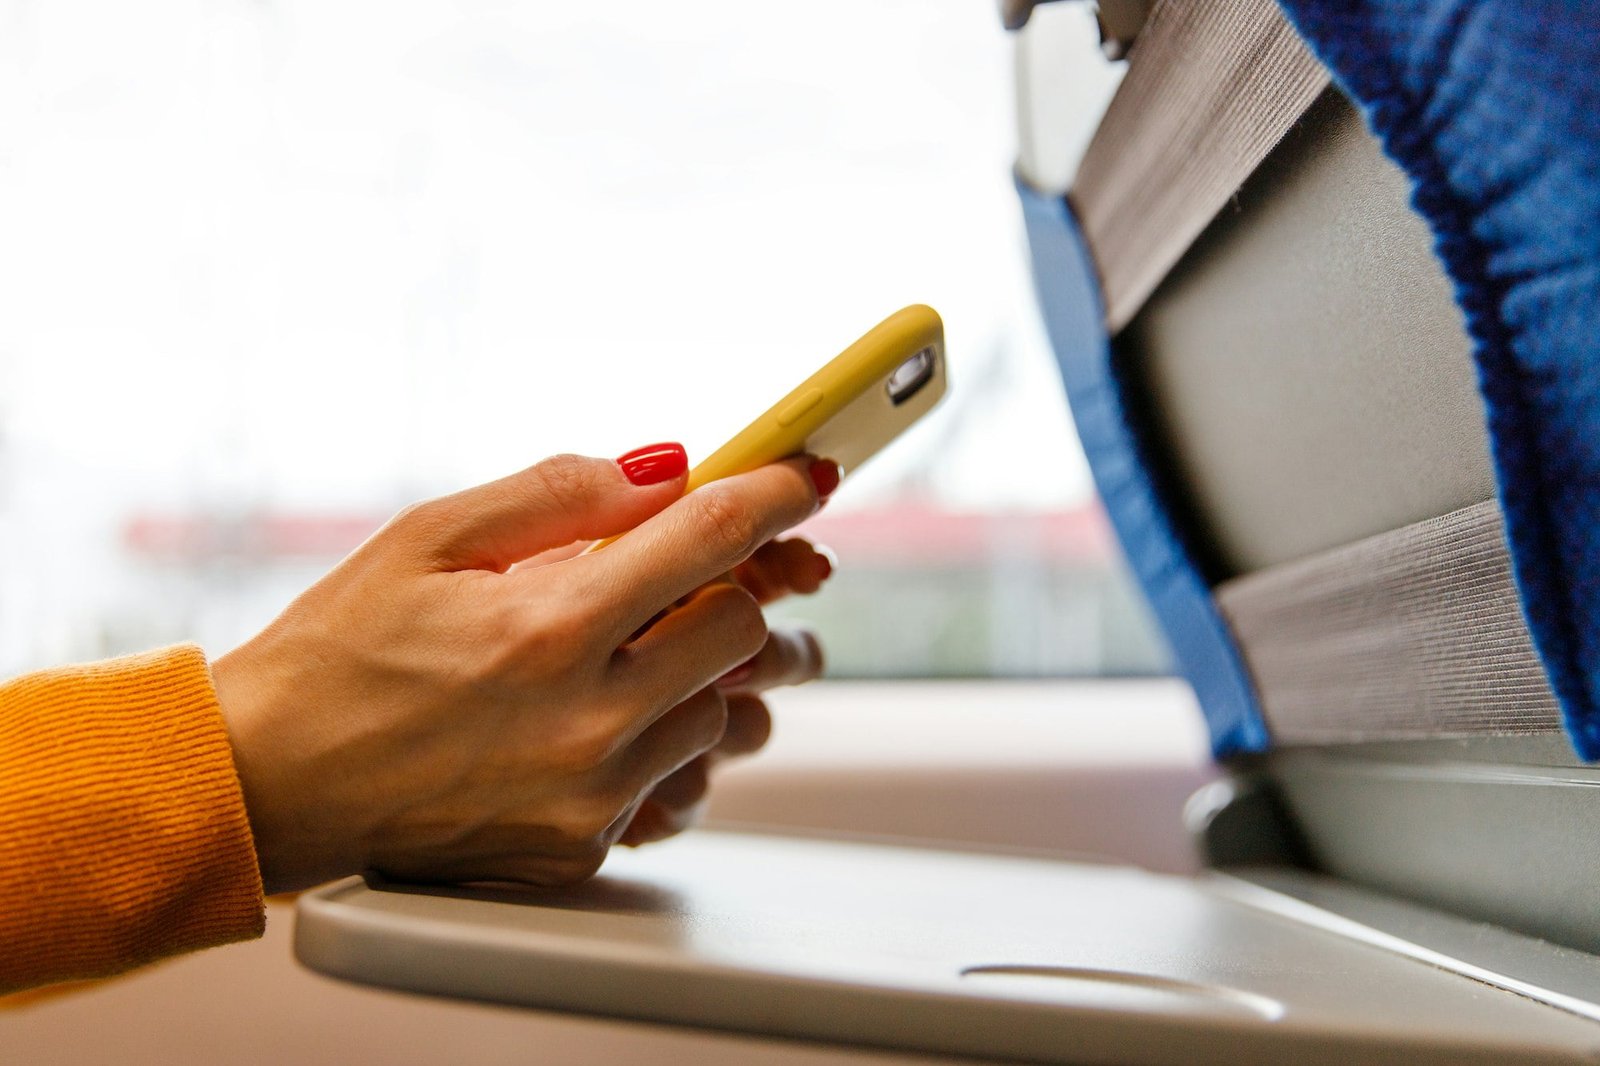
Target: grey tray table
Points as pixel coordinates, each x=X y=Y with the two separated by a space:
x=993 y=957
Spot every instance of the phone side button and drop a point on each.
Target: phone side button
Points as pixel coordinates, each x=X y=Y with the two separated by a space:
x=795 y=408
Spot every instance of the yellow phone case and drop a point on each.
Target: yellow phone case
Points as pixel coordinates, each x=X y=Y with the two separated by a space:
x=846 y=411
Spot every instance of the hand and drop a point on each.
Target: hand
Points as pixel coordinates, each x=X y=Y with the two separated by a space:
x=427 y=711
x=788 y=658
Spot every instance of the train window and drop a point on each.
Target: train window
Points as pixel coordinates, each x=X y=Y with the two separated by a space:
x=273 y=270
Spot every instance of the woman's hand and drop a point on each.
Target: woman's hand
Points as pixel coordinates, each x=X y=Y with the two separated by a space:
x=429 y=711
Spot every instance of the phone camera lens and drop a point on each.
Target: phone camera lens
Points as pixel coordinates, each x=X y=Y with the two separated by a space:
x=909 y=377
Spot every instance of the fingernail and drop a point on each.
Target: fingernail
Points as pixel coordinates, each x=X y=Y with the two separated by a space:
x=739 y=673
x=824 y=564
x=825 y=476
x=654 y=463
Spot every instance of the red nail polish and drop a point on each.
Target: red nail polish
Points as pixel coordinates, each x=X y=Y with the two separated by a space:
x=654 y=463
x=825 y=476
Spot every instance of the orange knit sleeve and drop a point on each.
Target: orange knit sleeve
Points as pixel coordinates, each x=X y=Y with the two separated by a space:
x=123 y=835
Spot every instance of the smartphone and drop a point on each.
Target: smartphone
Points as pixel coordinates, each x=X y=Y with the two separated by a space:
x=848 y=411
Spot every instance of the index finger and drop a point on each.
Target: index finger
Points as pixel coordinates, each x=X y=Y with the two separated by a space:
x=704 y=535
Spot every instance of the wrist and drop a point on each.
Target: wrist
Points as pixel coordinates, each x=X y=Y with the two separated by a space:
x=292 y=851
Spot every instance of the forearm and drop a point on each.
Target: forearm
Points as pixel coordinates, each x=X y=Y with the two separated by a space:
x=123 y=834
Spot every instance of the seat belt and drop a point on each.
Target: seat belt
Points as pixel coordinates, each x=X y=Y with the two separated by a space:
x=1211 y=87
x=1414 y=633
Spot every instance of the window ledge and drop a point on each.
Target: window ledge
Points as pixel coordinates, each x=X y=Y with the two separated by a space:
x=1093 y=769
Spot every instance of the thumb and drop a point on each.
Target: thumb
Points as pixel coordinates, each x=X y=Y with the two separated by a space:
x=551 y=504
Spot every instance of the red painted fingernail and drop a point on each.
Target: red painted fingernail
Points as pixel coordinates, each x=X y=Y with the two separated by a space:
x=654 y=463
x=825 y=476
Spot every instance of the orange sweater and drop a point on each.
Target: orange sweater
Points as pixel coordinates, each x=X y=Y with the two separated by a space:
x=123 y=835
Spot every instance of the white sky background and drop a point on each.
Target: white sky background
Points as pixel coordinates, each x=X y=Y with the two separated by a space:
x=335 y=254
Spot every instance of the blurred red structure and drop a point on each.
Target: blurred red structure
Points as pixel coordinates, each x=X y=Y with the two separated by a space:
x=915 y=536
x=902 y=536
x=201 y=537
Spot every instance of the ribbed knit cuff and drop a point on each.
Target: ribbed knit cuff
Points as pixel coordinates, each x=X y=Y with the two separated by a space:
x=123 y=835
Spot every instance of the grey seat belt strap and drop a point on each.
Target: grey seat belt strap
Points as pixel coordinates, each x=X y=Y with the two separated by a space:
x=1408 y=634
x=1211 y=86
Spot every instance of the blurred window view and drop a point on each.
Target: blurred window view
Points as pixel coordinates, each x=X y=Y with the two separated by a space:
x=272 y=269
